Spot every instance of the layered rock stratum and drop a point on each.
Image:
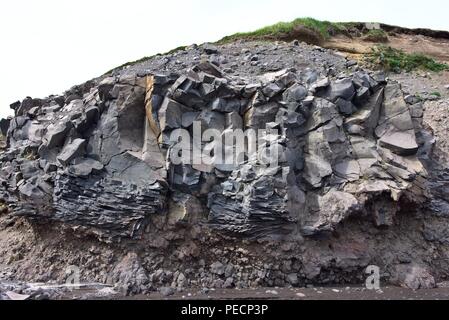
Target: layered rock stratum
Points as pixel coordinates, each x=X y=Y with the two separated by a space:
x=354 y=184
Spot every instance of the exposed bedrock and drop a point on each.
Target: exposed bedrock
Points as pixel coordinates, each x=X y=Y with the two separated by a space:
x=101 y=160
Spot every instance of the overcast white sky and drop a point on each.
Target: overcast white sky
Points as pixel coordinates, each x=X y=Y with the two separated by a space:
x=46 y=46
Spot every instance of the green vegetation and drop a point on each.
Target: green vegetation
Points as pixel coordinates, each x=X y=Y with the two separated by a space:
x=397 y=60
x=436 y=93
x=282 y=28
x=377 y=35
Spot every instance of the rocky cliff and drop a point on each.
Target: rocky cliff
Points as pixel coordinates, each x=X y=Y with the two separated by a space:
x=350 y=185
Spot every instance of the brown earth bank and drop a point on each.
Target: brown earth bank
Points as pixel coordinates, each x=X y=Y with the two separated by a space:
x=431 y=43
x=355 y=40
x=176 y=256
x=357 y=48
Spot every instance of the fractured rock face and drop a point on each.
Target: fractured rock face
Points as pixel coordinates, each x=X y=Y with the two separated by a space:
x=71 y=151
x=105 y=159
x=396 y=129
x=332 y=208
x=91 y=171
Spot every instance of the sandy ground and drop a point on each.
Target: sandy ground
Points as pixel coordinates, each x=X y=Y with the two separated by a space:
x=435 y=48
x=319 y=293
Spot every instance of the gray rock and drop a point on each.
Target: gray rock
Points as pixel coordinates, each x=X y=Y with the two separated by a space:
x=402 y=143
x=170 y=114
x=14 y=106
x=383 y=213
x=71 y=151
x=367 y=117
x=417 y=110
x=72 y=97
x=26 y=105
x=271 y=90
x=29 y=169
x=414 y=277
x=31 y=190
x=50 y=167
x=181 y=280
x=349 y=170
x=127 y=167
x=395 y=115
x=295 y=93
x=229 y=283
x=92 y=113
x=212 y=120
x=250 y=89
x=362 y=79
x=4 y=126
x=362 y=96
x=167 y=291
x=229 y=271
x=332 y=208
x=322 y=111
x=116 y=208
x=345 y=107
x=56 y=134
x=351 y=63
x=209 y=48
x=234 y=121
x=209 y=68
x=315 y=170
x=341 y=89
x=321 y=84
x=85 y=167
x=292 y=279
x=218 y=268
x=226 y=106
x=188 y=118
x=257 y=117
x=411 y=99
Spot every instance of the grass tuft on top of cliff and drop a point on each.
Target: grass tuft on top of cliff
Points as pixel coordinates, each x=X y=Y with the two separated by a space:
x=324 y=28
x=376 y=35
x=397 y=60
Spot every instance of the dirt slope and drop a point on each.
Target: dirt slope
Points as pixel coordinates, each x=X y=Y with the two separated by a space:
x=432 y=47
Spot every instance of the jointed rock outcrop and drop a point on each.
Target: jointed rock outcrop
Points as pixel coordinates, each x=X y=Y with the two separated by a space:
x=101 y=160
